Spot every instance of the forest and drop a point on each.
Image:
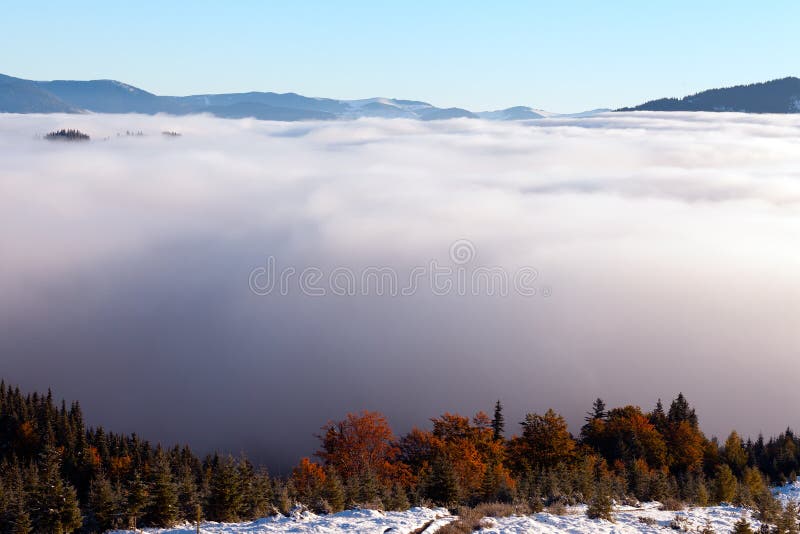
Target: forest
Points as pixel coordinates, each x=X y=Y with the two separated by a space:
x=59 y=475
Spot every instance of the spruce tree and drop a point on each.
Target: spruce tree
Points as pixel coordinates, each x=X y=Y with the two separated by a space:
x=742 y=526
x=398 y=499
x=786 y=522
x=104 y=505
x=333 y=490
x=260 y=498
x=225 y=499
x=188 y=493
x=163 y=509
x=598 y=410
x=498 y=422
x=442 y=485
x=680 y=411
x=56 y=502
x=137 y=499
x=726 y=485
x=601 y=506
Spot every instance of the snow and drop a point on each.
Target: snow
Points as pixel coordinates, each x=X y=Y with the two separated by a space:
x=627 y=519
x=367 y=521
x=646 y=519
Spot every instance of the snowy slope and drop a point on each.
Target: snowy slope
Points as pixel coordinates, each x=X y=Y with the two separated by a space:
x=367 y=521
x=645 y=519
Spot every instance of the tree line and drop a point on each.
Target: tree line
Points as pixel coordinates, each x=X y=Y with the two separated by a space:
x=58 y=475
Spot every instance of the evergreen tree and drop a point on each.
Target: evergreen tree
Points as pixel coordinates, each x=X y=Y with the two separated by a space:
x=225 y=499
x=680 y=411
x=787 y=520
x=598 y=410
x=726 y=484
x=188 y=493
x=742 y=526
x=600 y=506
x=498 y=422
x=56 y=502
x=260 y=496
x=163 y=509
x=442 y=484
x=658 y=418
x=104 y=503
x=333 y=490
x=398 y=499
x=137 y=499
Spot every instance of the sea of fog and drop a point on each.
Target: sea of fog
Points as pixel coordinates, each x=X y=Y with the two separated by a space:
x=237 y=286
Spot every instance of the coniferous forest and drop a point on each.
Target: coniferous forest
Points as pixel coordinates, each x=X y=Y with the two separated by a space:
x=59 y=475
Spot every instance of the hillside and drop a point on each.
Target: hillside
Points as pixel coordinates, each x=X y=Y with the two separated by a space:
x=776 y=96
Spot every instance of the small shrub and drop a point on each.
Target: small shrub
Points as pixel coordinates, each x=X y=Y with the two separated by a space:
x=600 y=507
x=671 y=504
x=557 y=508
x=647 y=521
x=680 y=522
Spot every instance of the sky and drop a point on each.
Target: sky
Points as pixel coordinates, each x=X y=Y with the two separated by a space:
x=134 y=271
x=562 y=56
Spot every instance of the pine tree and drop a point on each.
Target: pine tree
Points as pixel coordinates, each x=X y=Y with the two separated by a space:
x=163 y=509
x=658 y=418
x=786 y=522
x=20 y=522
x=188 y=493
x=734 y=454
x=398 y=499
x=598 y=410
x=742 y=526
x=701 y=496
x=137 y=499
x=601 y=506
x=680 y=411
x=260 y=495
x=56 y=502
x=498 y=422
x=333 y=490
x=442 y=485
x=104 y=504
x=726 y=484
x=225 y=499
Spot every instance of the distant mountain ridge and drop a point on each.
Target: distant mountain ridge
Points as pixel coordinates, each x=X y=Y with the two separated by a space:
x=18 y=95
x=775 y=96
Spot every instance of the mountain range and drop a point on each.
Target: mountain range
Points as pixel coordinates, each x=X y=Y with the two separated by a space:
x=18 y=95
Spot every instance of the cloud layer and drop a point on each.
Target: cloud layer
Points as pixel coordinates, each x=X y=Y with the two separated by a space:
x=669 y=242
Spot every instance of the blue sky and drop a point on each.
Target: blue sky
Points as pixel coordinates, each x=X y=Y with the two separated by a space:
x=561 y=56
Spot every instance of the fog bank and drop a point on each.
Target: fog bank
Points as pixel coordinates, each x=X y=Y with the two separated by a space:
x=665 y=248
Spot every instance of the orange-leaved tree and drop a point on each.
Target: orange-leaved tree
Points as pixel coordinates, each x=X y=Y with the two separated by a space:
x=362 y=446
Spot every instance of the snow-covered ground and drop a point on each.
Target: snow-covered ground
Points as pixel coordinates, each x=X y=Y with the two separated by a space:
x=644 y=519
x=425 y=520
